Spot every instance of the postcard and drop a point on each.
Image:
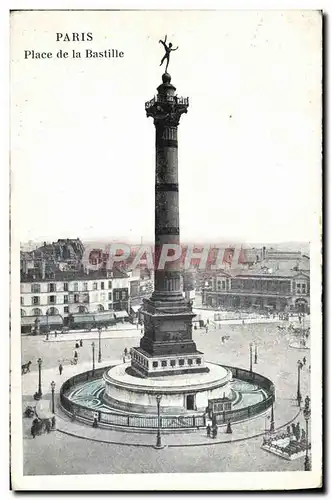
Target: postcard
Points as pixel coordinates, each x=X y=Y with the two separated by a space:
x=166 y=203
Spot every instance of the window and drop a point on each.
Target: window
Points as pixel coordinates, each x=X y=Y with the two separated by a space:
x=95 y=286
x=303 y=288
x=181 y=362
x=109 y=295
x=35 y=288
x=102 y=285
x=51 y=287
x=223 y=285
x=85 y=286
x=198 y=361
x=164 y=363
x=52 y=299
x=124 y=295
x=22 y=301
x=172 y=363
x=35 y=301
x=66 y=309
x=190 y=362
x=155 y=364
x=75 y=287
x=76 y=298
x=110 y=284
x=36 y=312
x=117 y=295
x=65 y=287
x=65 y=299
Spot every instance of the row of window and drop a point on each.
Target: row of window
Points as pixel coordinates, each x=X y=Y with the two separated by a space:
x=52 y=287
x=53 y=310
x=52 y=299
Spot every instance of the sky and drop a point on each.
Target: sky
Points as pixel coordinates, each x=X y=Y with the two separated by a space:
x=82 y=148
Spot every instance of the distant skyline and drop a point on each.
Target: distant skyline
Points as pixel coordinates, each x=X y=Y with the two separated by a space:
x=82 y=149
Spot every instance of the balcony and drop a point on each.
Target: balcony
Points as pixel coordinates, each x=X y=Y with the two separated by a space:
x=169 y=99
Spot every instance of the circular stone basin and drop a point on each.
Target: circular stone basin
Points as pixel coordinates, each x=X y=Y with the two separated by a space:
x=180 y=393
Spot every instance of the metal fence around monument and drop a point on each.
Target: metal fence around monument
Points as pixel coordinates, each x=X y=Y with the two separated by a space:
x=118 y=419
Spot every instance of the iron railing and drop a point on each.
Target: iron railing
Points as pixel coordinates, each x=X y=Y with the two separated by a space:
x=166 y=421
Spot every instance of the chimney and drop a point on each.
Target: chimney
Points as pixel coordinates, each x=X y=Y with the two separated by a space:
x=43 y=269
x=264 y=253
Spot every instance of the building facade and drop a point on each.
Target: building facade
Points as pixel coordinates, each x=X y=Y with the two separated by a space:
x=259 y=290
x=64 y=293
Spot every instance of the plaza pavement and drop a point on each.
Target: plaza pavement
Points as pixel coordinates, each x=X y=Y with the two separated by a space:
x=275 y=360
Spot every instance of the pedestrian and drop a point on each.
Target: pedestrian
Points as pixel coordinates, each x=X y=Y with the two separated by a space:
x=47 y=336
x=125 y=351
x=81 y=343
x=208 y=430
x=95 y=420
x=48 y=426
x=60 y=368
x=55 y=334
x=214 y=431
x=33 y=431
x=229 y=428
x=77 y=345
x=123 y=359
x=75 y=355
x=53 y=422
x=304 y=360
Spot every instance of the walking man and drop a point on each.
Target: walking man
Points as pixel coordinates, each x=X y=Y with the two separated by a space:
x=208 y=430
x=60 y=368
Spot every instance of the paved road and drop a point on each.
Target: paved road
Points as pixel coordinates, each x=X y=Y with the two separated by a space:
x=56 y=453
x=70 y=455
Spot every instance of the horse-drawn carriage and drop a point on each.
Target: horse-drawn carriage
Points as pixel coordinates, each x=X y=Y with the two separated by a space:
x=26 y=367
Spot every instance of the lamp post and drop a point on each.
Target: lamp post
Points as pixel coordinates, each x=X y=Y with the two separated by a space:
x=250 y=356
x=99 y=345
x=299 y=368
x=52 y=389
x=255 y=361
x=158 y=444
x=39 y=361
x=272 y=418
x=306 y=414
x=93 y=357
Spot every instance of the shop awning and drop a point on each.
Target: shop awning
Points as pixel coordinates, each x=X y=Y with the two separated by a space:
x=120 y=314
x=83 y=318
x=108 y=316
x=28 y=320
x=55 y=319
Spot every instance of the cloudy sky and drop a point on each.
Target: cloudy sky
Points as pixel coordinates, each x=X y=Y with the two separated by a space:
x=82 y=149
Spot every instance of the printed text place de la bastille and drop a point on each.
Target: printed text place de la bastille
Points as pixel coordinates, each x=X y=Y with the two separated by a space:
x=62 y=53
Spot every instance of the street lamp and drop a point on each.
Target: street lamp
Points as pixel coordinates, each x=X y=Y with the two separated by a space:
x=52 y=388
x=99 y=345
x=250 y=356
x=93 y=357
x=39 y=361
x=272 y=417
x=158 y=444
x=306 y=414
x=299 y=368
x=255 y=354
